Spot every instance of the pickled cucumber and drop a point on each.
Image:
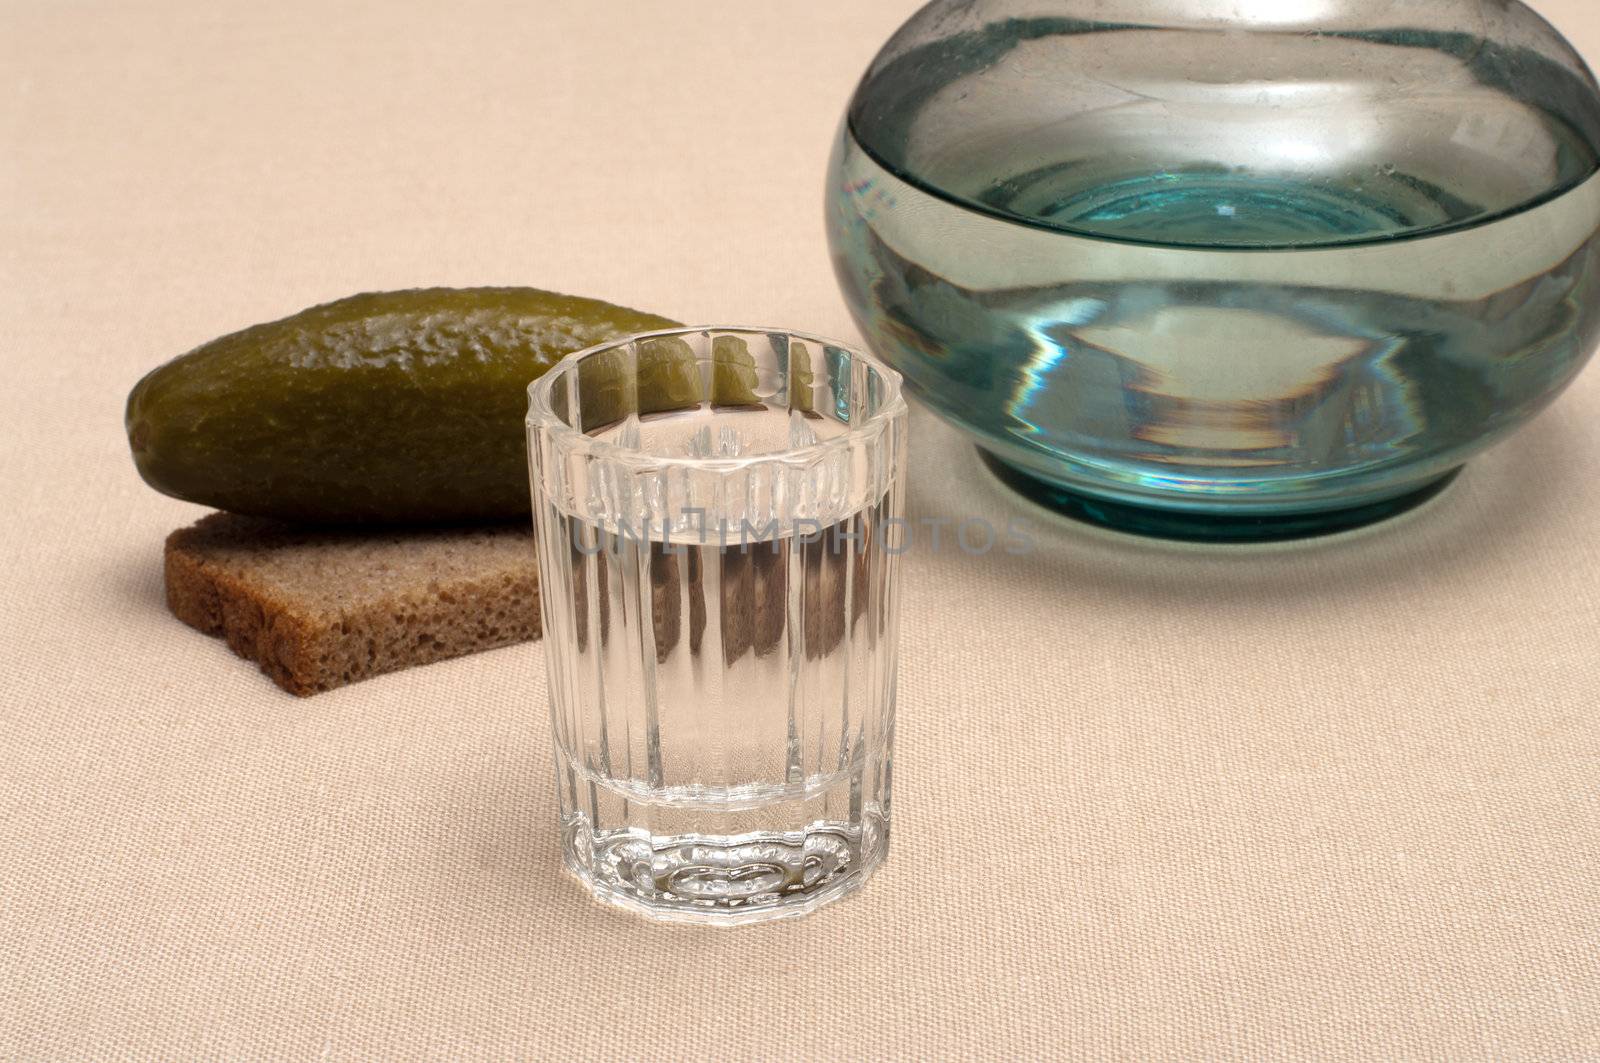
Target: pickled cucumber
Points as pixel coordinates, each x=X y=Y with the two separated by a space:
x=734 y=377
x=389 y=407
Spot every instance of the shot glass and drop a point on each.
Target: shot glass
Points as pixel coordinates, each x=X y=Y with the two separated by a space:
x=719 y=513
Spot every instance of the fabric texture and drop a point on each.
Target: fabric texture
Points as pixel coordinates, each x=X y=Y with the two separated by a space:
x=1331 y=800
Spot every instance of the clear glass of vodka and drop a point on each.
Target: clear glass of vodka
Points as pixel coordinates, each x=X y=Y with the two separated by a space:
x=720 y=517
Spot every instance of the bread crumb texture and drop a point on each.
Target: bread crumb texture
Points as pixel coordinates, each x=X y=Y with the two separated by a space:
x=319 y=608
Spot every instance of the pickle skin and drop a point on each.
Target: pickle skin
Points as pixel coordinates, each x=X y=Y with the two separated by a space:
x=398 y=407
x=664 y=374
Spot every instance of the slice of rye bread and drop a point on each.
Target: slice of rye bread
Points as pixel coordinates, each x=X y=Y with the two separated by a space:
x=319 y=608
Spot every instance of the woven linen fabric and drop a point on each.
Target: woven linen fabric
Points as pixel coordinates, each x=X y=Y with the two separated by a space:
x=1336 y=800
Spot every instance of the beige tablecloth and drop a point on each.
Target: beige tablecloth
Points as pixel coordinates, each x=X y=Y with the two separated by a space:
x=1336 y=800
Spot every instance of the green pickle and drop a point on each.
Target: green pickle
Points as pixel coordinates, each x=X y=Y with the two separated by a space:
x=734 y=377
x=802 y=379
x=390 y=407
x=667 y=376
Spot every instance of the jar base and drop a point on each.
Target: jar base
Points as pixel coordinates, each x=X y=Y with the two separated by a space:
x=1215 y=526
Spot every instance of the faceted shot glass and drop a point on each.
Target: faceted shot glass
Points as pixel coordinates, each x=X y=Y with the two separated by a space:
x=720 y=516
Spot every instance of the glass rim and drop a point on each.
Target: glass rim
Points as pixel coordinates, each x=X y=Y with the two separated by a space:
x=542 y=414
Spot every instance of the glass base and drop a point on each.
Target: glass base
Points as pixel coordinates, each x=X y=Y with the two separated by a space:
x=726 y=881
x=1201 y=526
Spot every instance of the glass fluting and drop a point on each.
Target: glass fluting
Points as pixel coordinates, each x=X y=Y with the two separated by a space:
x=715 y=512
